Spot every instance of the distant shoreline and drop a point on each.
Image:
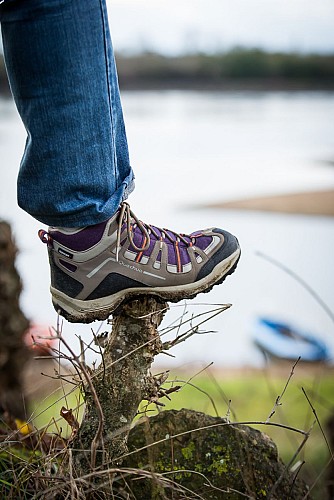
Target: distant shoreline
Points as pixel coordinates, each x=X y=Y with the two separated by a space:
x=239 y=69
x=226 y=86
x=306 y=203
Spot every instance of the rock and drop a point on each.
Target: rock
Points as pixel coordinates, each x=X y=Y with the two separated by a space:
x=209 y=457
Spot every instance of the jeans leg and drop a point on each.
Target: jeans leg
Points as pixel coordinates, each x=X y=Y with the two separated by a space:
x=75 y=170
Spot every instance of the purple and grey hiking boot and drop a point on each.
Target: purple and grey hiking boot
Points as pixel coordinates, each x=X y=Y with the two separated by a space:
x=95 y=269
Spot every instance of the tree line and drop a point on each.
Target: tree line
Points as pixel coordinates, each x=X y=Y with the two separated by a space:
x=239 y=67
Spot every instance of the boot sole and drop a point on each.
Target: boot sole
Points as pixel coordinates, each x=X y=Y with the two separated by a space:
x=86 y=311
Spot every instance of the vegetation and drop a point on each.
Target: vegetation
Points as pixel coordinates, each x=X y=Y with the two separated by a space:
x=253 y=393
x=238 y=68
x=96 y=460
x=245 y=68
x=246 y=395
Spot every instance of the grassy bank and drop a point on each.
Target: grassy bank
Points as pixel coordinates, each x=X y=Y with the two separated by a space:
x=253 y=394
x=237 y=69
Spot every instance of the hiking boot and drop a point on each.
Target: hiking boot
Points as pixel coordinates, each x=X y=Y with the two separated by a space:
x=96 y=268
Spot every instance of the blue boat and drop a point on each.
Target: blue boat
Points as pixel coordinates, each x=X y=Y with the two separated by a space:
x=282 y=341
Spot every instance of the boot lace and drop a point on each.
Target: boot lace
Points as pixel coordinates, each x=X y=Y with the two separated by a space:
x=127 y=216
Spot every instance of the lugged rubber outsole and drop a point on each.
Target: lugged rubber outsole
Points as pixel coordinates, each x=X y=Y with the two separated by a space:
x=80 y=311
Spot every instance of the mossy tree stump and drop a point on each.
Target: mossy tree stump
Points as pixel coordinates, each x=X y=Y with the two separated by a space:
x=120 y=383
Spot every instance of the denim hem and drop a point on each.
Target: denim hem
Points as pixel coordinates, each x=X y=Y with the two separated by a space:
x=84 y=220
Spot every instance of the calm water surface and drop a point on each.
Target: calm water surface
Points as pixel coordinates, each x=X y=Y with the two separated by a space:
x=188 y=148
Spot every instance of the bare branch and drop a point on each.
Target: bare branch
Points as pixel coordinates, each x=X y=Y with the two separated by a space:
x=279 y=398
x=318 y=422
x=297 y=278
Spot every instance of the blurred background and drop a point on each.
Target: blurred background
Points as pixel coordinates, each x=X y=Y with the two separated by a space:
x=229 y=112
x=229 y=109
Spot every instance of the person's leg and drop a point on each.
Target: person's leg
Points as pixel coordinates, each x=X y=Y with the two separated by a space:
x=75 y=170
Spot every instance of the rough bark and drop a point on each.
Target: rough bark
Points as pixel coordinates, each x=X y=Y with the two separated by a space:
x=220 y=461
x=120 y=383
x=13 y=325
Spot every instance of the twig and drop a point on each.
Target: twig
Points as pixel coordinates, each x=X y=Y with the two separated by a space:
x=141 y=473
x=279 y=398
x=226 y=400
x=98 y=435
x=300 y=465
x=210 y=485
x=318 y=422
x=272 y=389
x=317 y=479
x=300 y=447
x=194 y=330
x=220 y=424
x=228 y=413
x=198 y=373
x=74 y=489
x=169 y=329
x=326 y=403
x=219 y=310
x=200 y=390
x=294 y=275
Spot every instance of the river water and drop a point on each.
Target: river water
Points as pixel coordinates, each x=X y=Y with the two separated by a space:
x=189 y=148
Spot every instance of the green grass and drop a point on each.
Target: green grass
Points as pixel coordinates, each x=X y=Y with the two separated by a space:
x=253 y=395
x=45 y=414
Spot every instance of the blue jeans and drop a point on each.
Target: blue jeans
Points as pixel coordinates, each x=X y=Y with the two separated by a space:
x=75 y=170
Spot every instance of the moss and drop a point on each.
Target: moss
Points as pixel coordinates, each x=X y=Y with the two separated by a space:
x=188 y=451
x=219 y=466
x=229 y=457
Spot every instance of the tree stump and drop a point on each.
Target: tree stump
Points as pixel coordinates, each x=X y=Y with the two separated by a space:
x=120 y=383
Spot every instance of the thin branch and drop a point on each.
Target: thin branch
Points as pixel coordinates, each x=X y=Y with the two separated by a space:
x=226 y=400
x=318 y=422
x=299 y=468
x=317 y=479
x=210 y=485
x=193 y=329
x=220 y=424
x=303 y=283
x=98 y=435
x=287 y=467
x=169 y=329
x=228 y=413
x=279 y=398
x=200 y=390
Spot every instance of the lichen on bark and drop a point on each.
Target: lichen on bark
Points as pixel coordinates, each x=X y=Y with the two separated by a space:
x=120 y=382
